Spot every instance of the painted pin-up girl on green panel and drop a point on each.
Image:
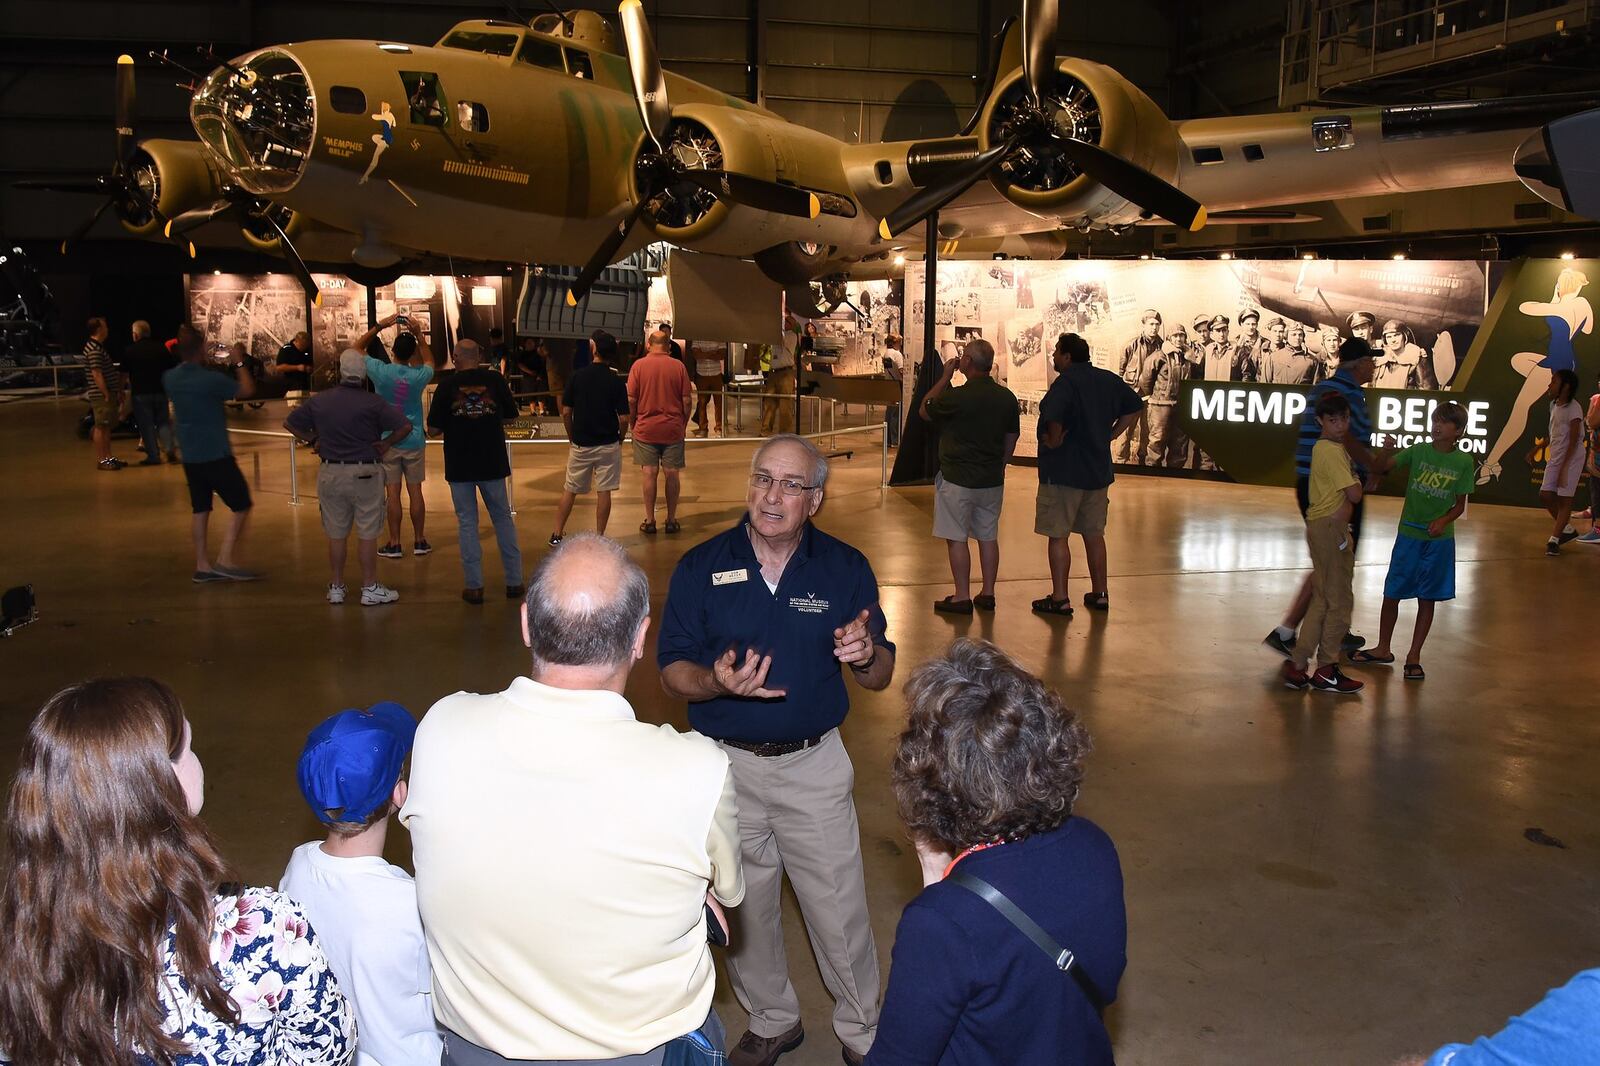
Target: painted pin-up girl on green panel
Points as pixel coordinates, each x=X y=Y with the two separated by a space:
x=1568 y=314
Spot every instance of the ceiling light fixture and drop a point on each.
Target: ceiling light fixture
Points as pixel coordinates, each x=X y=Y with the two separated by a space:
x=1568 y=256
x=1398 y=257
x=1225 y=255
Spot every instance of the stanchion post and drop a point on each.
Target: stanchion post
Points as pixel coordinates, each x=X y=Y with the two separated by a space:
x=883 y=478
x=511 y=499
x=294 y=479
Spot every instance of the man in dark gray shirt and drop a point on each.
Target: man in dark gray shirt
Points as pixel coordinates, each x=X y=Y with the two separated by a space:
x=351 y=428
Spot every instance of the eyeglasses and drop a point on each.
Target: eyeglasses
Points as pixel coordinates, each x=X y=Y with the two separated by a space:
x=787 y=487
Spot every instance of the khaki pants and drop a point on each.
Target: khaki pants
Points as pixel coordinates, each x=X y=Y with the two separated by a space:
x=777 y=412
x=1128 y=447
x=797 y=814
x=1167 y=445
x=708 y=401
x=1333 y=571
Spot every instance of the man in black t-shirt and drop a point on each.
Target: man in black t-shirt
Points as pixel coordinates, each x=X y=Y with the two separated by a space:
x=144 y=361
x=470 y=409
x=295 y=362
x=594 y=408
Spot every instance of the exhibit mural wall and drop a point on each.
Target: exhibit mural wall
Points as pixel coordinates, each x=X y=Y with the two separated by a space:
x=265 y=311
x=1224 y=353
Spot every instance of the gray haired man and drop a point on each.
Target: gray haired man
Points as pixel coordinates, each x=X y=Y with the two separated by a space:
x=351 y=429
x=761 y=625
x=571 y=861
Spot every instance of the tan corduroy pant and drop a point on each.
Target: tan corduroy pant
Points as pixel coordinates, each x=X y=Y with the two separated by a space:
x=1333 y=570
x=797 y=815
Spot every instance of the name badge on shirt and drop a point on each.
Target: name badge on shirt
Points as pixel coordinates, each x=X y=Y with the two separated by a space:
x=729 y=577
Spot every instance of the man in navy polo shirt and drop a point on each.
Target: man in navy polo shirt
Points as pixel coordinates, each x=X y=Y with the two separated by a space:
x=760 y=625
x=1355 y=371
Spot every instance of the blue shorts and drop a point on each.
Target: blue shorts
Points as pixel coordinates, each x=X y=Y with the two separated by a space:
x=1421 y=569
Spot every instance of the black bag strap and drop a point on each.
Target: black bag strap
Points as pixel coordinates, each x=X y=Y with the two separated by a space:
x=1063 y=958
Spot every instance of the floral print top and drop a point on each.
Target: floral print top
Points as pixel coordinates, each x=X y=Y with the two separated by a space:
x=291 y=1012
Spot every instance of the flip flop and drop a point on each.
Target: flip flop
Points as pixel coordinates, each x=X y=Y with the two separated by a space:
x=951 y=605
x=647 y=527
x=1366 y=658
x=1414 y=672
x=1050 y=605
x=983 y=603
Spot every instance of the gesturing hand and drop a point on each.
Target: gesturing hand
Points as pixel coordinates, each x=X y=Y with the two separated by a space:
x=746 y=680
x=853 y=643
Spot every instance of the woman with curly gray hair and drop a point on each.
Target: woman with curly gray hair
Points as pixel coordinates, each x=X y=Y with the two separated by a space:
x=1018 y=940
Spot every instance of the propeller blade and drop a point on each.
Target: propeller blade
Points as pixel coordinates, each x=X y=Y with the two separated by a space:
x=1039 y=20
x=94 y=185
x=962 y=176
x=1005 y=45
x=1135 y=183
x=197 y=216
x=78 y=234
x=758 y=193
x=649 y=83
x=603 y=255
x=124 y=109
x=285 y=245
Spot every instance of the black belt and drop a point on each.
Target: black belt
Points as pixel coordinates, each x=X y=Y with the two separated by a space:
x=353 y=462
x=771 y=749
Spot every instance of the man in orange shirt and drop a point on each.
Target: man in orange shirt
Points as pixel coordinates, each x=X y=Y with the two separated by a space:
x=659 y=401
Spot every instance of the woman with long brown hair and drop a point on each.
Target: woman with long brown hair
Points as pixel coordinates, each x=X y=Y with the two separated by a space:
x=120 y=944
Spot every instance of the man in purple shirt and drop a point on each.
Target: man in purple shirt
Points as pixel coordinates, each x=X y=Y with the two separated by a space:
x=351 y=429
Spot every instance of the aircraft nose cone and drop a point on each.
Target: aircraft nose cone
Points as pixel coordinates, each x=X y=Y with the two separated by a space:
x=256 y=115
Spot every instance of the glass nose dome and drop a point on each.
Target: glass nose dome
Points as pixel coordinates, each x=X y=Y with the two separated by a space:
x=258 y=115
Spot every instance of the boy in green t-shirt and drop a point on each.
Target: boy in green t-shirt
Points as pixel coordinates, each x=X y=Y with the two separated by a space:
x=1332 y=493
x=1423 y=565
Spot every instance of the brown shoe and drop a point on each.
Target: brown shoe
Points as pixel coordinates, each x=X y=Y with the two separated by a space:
x=473 y=596
x=516 y=592
x=753 y=1050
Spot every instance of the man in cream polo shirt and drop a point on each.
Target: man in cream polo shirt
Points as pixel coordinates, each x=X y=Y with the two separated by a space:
x=566 y=853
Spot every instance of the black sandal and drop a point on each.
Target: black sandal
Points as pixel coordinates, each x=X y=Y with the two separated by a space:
x=951 y=605
x=1362 y=657
x=1102 y=602
x=1051 y=605
x=647 y=527
x=1414 y=672
x=673 y=527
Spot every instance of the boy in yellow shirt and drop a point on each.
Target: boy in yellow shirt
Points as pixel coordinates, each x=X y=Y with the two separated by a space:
x=1333 y=492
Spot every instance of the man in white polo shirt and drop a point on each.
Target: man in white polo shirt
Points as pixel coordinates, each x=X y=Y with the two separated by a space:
x=570 y=858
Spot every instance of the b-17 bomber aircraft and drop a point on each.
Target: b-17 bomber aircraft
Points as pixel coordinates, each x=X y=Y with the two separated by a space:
x=547 y=143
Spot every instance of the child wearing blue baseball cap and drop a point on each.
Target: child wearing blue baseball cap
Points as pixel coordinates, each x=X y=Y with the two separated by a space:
x=364 y=909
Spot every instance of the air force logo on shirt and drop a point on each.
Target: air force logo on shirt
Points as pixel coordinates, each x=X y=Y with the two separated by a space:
x=808 y=604
x=729 y=577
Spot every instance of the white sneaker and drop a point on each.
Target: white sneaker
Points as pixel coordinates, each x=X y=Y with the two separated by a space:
x=374 y=595
x=335 y=593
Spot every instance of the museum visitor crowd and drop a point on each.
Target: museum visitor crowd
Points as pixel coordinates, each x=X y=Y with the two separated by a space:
x=575 y=867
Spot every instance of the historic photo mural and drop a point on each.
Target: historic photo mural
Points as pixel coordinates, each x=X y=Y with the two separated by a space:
x=1224 y=352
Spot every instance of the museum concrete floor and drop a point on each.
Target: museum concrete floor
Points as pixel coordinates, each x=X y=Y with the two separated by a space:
x=1310 y=879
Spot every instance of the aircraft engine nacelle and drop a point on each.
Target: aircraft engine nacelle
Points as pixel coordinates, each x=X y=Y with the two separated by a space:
x=260 y=236
x=177 y=177
x=1097 y=105
x=717 y=137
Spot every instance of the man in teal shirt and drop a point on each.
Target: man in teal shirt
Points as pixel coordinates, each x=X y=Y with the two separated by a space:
x=401 y=383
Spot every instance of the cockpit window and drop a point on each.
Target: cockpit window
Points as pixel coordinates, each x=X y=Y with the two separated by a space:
x=578 y=64
x=494 y=44
x=424 y=98
x=257 y=115
x=538 y=52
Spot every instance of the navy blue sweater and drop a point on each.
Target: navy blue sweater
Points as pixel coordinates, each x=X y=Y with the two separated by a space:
x=968 y=989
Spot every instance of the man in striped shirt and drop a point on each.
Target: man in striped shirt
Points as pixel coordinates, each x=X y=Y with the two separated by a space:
x=104 y=393
x=1355 y=371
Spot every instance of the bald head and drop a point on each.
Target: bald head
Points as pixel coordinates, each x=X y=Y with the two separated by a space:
x=585 y=602
x=468 y=354
x=659 y=341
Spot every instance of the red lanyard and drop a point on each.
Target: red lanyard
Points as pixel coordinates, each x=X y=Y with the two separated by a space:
x=969 y=851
